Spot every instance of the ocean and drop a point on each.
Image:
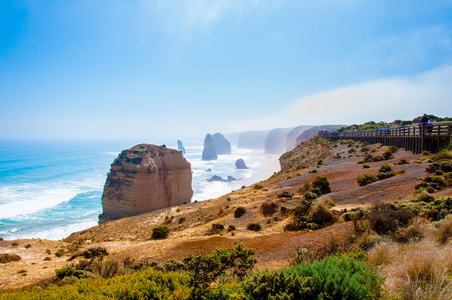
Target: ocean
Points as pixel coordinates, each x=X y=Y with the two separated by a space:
x=50 y=189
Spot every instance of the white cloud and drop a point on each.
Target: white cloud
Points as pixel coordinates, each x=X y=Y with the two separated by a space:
x=379 y=100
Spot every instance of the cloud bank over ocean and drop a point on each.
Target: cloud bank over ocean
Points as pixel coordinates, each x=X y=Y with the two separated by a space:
x=376 y=100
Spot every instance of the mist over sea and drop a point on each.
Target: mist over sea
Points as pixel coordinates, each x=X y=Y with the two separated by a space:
x=51 y=189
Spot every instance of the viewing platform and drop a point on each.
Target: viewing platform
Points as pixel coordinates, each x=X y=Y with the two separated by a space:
x=416 y=138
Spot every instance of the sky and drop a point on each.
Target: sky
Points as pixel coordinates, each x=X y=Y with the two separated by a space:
x=153 y=69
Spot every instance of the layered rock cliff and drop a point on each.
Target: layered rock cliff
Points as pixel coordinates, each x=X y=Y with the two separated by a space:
x=221 y=144
x=276 y=140
x=291 y=141
x=209 y=152
x=145 y=178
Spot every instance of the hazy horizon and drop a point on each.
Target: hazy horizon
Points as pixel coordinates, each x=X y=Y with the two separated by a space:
x=159 y=70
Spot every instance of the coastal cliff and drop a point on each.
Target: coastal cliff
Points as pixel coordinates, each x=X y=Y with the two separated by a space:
x=276 y=140
x=145 y=178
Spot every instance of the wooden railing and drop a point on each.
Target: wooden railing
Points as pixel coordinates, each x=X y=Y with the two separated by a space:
x=416 y=138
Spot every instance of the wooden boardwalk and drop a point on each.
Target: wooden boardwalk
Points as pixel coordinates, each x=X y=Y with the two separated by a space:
x=416 y=138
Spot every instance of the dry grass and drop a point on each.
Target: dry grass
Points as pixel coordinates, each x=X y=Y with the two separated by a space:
x=444 y=231
x=381 y=254
x=418 y=230
x=417 y=270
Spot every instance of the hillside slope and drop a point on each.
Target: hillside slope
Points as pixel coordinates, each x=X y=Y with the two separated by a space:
x=268 y=203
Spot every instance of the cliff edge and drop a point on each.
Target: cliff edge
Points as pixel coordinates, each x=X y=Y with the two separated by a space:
x=145 y=178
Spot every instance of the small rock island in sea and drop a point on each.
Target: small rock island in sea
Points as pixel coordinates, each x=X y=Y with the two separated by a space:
x=145 y=178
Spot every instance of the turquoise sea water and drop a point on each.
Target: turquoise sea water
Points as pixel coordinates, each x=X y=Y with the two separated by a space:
x=51 y=189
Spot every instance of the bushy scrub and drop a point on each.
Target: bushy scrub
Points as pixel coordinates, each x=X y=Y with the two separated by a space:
x=366 y=179
x=160 y=232
x=386 y=218
x=148 y=284
x=385 y=171
x=339 y=278
x=277 y=285
x=322 y=183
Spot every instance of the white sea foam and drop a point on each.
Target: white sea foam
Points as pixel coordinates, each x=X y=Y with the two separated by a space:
x=18 y=201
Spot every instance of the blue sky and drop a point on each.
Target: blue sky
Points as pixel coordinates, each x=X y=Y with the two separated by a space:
x=144 y=70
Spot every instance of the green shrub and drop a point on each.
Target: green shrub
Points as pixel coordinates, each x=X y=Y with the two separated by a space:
x=366 y=166
x=160 y=232
x=338 y=278
x=359 y=255
x=393 y=148
x=387 y=154
x=366 y=179
x=59 y=253
x=277 y=285
x=385 y=168
x=310 y=195
x=352 y=150
x=313 y=171
x=182 y=219
x=322 y=183
x=258 y=186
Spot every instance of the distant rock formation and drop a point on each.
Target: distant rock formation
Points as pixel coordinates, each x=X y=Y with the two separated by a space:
x=275 y=143
x=219 y=178
x=180 y=147
x=252 y=139
x=209 y=152
x=221 y=144
x=145 y=178
x=312 y=132
x=291 y=141
x=240 y=164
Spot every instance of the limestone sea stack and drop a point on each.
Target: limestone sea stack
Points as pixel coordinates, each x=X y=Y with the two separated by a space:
x=240 y=164
x=180 y=147
x=145 y=178
x=209 y=152
x=221 y=144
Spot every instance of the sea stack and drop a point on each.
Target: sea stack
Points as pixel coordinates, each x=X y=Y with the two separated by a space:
x=209 y=152
x=240 y=164
x=221 y=144
x=145 y=178
x=180 y=147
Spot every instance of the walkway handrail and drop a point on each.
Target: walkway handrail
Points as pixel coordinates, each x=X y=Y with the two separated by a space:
x=416 y=137
x=437 y=128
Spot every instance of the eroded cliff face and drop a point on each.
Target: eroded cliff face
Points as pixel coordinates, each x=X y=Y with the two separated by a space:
x=145 y=178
